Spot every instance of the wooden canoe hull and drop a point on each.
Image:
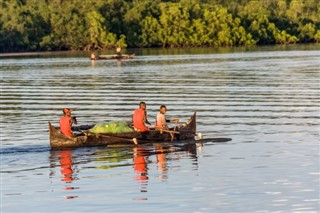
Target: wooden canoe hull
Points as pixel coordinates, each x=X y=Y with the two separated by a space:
x=59 y=140
x=110 y=57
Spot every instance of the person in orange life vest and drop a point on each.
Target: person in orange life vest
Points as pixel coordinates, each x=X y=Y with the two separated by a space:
x=139 y=118
x=66 y=122
x=161 y=121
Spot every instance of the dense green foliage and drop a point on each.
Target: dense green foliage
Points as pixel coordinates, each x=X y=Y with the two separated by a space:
x=31 y=25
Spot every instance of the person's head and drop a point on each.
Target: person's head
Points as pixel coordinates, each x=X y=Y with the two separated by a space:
x=143 y=105
x=67 y=111
x=163 y=109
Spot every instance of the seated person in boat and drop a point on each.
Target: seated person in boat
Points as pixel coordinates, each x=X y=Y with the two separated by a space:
x=66 y=122
x=93 y=56
x=161 y=121
x=139 y=118
x=118 y=50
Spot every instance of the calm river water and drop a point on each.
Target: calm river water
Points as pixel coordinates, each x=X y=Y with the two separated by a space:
x=266 y=99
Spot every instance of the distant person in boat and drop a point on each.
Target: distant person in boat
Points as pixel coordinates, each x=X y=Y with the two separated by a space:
x=93 y=56
x=161 y=121
x=139 y=118
x=118 y=50
x=66 y=122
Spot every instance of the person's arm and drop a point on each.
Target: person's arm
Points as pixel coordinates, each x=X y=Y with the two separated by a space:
x=174 y=120
x=146 y=118
x=73 y=120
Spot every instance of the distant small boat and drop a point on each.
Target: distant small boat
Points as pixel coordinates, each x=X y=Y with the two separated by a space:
x=115 y=56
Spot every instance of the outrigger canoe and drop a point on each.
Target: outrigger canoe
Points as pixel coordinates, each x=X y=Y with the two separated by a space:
x=109 y=57
x=183 y=132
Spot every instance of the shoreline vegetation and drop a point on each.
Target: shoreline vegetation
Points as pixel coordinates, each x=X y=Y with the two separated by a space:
x=83 y=25
x=159 y=50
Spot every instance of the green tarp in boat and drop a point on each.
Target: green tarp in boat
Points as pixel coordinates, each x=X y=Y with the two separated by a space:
x=111 y=127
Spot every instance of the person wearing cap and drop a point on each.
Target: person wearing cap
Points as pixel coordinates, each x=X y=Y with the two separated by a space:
x=66 y=122
x=161 y=121
x=139 y=118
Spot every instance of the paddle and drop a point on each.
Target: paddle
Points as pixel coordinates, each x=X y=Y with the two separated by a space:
x=134 y=140
x=214 y=140
x=174 y=129
x=169 y=131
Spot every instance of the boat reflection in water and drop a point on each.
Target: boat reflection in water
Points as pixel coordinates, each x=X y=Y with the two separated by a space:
x=161 y=161
x=147 y=160
x=64 y=157
x=66 y=165
x=140 y=163
x=144 y=159
x=140 y=158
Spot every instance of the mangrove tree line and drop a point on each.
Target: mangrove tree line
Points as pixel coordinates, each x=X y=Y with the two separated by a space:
x=33 y=25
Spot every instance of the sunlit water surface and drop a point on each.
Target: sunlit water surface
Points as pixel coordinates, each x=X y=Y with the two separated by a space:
x=265 y=99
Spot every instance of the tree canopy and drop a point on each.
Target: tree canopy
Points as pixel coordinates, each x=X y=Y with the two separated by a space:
x=35 y=25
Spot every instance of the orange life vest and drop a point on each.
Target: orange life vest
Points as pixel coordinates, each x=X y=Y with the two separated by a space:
x=138 y=120
x=65 y=126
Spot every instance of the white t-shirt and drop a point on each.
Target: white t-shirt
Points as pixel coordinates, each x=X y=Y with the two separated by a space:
x=161 y=120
